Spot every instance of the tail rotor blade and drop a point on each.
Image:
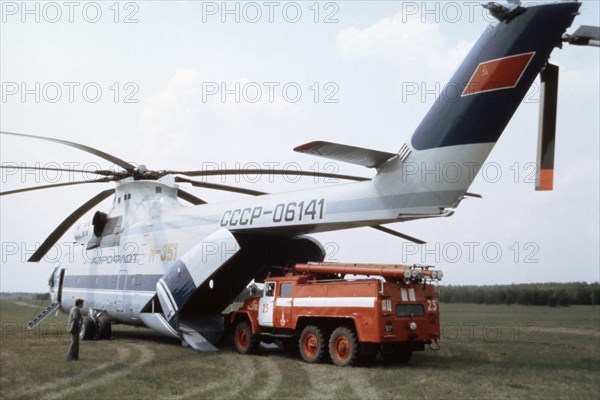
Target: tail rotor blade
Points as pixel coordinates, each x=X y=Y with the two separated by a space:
x=67 y=223
x=547 y=128
x=585 y=35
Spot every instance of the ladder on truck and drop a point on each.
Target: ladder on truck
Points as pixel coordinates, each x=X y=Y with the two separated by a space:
x=42 y=316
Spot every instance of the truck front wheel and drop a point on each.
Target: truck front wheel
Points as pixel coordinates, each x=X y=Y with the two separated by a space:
x=343 y=346
x=312 y=344
x=243 y=338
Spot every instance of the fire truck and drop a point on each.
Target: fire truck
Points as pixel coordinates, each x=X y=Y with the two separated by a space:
x=314 y=309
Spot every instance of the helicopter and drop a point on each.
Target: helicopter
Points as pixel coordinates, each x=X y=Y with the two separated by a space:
x=153 y=261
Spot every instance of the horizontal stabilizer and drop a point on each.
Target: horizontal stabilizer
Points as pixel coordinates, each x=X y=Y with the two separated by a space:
x=350 y=154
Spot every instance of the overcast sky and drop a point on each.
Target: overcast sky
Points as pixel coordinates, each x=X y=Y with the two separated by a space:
x=191 y=85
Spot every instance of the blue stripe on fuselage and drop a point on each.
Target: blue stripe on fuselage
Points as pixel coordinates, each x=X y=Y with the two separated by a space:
x=481 y=117
x=141 y=282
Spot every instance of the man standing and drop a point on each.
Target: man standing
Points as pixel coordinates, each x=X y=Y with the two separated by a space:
x=75 y=322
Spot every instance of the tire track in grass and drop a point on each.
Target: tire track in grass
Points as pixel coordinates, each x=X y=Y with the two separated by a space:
x=339 y=379
x=273 y=378
x=122 y=354
x=146 y=355
x=361 y=384
x=325 y=383
x=241 y=367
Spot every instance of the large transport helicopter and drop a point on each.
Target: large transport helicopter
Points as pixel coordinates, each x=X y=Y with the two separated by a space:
x=153 y=261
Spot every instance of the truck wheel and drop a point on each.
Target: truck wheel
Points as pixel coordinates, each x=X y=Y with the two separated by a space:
x=312 y=344
x=88 y=329
x=244 y=340
x=343 y=346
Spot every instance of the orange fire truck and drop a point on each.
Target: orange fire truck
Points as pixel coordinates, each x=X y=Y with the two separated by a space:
x=314 y=309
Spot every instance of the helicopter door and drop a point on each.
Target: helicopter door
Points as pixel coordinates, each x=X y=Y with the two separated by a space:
x=193 y=269
x=61 y=279
x=121 y=282
x=56 y=284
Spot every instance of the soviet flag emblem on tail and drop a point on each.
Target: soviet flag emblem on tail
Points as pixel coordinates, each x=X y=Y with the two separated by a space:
x=498 y=74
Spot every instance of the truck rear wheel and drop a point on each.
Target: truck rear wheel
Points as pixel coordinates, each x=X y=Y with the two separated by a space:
x=343 y=346
x=244 y=340
x=312 y=344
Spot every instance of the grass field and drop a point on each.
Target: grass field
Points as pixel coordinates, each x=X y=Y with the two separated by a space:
x=487 y=352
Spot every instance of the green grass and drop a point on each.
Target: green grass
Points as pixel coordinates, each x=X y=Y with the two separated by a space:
x=486 y=352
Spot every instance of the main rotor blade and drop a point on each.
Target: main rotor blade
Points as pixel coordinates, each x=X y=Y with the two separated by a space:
x=547 y=128
x=398 y=234
x=216 y=186
x=103 y=180
x=189 y=197
x=121 y=163
x=221 y=172
x=67 y=223
x=96 y=172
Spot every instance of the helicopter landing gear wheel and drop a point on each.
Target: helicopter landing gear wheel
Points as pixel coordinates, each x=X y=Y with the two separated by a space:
x=103 y=328
x=88 y=329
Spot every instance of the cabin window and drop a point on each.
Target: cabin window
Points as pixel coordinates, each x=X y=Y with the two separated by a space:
x=270 y=289
x=410 y=310
x=285 y=290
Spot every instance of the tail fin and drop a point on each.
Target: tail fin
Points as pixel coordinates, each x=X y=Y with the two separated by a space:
x=474 y=108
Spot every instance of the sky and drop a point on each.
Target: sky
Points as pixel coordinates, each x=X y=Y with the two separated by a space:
x=194 y=85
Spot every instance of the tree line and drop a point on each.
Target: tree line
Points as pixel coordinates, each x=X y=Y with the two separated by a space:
x=536 y=294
